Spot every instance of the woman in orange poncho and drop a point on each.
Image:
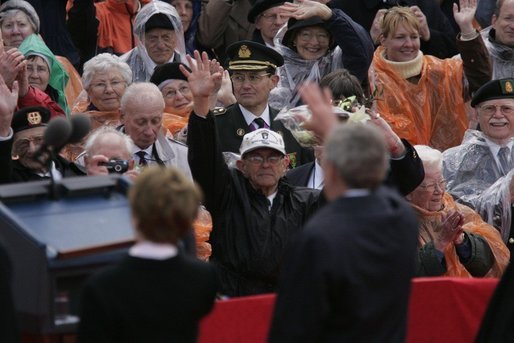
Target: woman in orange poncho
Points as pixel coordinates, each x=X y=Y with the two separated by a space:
x=453 y=239
x=423 y=97
x=105 y=79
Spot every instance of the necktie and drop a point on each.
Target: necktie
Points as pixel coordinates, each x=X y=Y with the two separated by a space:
x=258 y=123
x=503 y=156
x=142 y=160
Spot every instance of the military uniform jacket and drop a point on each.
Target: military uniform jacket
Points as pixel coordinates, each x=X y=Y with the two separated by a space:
x=248 y=238
x=232 y=127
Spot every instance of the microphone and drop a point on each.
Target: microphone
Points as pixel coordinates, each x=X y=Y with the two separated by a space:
x=56 y=134
x=80 y=126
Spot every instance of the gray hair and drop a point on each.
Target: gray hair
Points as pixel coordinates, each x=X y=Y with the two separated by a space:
x=432 y=158
x=97 y=137
x=103 y=63
x=359 y=154
x=141 y=93
x=11 y=7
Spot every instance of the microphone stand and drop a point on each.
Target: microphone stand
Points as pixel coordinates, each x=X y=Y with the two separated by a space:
x=53 y=192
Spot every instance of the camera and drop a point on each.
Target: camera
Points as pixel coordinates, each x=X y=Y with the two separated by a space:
x=116 y=166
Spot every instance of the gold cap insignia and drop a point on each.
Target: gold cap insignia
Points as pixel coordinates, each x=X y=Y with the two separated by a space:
x=240 y=132
x=34 y=118
x=244 y=52
x=507 y=87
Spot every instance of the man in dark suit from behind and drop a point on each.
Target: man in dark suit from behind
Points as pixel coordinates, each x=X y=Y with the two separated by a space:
x=348 y=278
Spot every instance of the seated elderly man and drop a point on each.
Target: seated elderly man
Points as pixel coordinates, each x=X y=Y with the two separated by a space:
x=160 y=40
x=21 y=135
x=479 y=171
x=109 y=151
x=142 y=108
x=499 y=39
x=256 y=214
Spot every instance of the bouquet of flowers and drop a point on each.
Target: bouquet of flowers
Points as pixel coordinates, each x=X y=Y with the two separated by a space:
x=293 y=119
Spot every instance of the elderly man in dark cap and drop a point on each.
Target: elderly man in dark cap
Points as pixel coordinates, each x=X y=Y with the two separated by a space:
x=256 y=214
x=161 y=40
x=479 y=171
x=18 y=147
x=267 y=17
x=252 y=67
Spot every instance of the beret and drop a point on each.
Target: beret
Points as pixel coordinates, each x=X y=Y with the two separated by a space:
x=494 y=89
x=30 y=117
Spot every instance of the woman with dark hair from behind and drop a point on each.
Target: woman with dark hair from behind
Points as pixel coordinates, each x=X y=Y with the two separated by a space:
x=156 y=293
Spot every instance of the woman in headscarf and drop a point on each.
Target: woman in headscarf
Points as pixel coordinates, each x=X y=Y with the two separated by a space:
x=317 y=41
x=44 y=71
x=19 y=20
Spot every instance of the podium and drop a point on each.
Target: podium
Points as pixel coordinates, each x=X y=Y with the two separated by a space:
x=57 y=235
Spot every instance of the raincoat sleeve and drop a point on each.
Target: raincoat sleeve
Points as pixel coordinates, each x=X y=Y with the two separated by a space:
x=354 y=41
x=477 y=66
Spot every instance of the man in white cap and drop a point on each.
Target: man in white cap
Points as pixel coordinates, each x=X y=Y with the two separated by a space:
x=256 y=214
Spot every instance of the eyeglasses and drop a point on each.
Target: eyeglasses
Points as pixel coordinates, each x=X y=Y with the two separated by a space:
x=272 y=17
x=441 y=185
x=102 y=86
x=254 y=79
x=184 y=90
x=491 y=109
x=307 y=36
x=22 y=145
x=259 y=160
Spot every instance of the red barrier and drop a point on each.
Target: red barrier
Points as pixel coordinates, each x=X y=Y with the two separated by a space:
x=441 y=310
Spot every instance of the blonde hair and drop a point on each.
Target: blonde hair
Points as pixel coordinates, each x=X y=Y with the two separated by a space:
x=164 y=203
x=398 y=15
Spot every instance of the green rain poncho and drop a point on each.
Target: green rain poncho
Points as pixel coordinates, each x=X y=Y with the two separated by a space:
x=34 y=45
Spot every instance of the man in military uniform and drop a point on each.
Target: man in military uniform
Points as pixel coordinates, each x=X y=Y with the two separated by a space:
x=479 y=171
x=252 y=67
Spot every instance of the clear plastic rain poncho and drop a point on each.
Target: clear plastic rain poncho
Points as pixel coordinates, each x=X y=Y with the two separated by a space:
x=297 y=70
x=138 y=59
x=474 y=178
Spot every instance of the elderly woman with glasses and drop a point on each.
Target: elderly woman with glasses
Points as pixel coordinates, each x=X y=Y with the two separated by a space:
x=453 y=239
x=421 y=96
x=105 y=79
x=316 y=41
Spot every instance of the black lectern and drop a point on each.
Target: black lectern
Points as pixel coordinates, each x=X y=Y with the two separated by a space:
x=56 y=237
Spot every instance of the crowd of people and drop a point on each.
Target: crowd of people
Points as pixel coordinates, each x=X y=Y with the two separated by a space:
x=410 y=169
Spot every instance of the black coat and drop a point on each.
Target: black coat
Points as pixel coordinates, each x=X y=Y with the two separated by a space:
x=248 y=240
x=405 y=174
x=442 y=34
x=349 y=275
x=231 y=126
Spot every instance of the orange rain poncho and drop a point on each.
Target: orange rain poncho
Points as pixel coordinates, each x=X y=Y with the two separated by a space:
x=431 y=112
x=473 y=223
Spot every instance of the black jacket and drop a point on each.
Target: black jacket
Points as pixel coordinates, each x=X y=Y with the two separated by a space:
x=405 y=174
x=248 y=241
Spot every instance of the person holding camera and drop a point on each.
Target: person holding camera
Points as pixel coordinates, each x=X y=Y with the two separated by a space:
x=108 y=151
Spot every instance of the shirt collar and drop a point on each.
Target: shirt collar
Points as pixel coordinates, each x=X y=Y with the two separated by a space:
x=153 y=251
x=249 y=116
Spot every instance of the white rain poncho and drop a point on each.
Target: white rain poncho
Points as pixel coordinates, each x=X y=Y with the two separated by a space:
x=474 y=178
x=297 y=70
x=141 y=64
